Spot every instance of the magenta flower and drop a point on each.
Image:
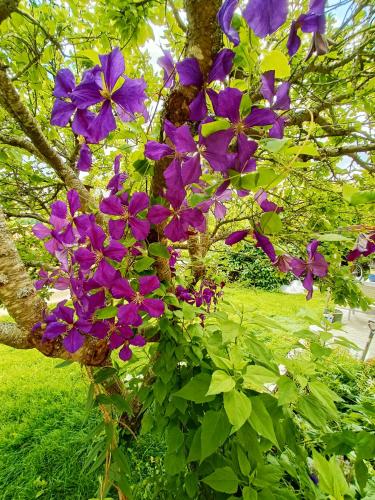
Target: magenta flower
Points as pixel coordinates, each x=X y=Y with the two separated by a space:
x=129 y=215
x=225 y=16
x=265 y=244
x=216 y=203
x=261 y=198
x=236 y=237
x=65 y=324
x=181 y=218
x=137 y=300
x=311 y=22
x=168 y=65
x=128 y=99
x=85 y=158
x=191 y=74
x=365 y=246
x=315 y=265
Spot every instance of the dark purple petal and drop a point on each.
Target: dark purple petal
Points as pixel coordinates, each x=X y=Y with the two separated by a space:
x=85 y=258
x=64 y=83
x=236 y=237
x=265 y=244
x=81 y=123
x=86 y=94
x=85 y=158
x=277 y=129
x=216 y=147
x=319 y=266
x=73 y=201
x=317 y=7
x=130 y=99
x=175 y=230
x=311 y=248
x=198 y=107
x=73 y=341
x=97 y=236
x=41 y=231
x=138 y=203
x=113 y=66
x=65 y=313
x=308 y=284
x=83 y=223
x=102 y=124
x=147 y=284
x=190 y=72
x=193 y=217
x=121 y=289
x=191 y=170
x=222 y=66
x=282 y=97
x=53 y=330
x=99 y=329
x=158 y=213
x=156 y=150
x=126 y=353
x=59 y=209
x=294 y=41
x=261 y=198
x=61 y=113
x=298 y=266
x=265 y=16
x=312 y=23
x=111 y=205
x=129 y=314
x=260 y=117
x=268 y=86
x=227 y=103
x=181 y=137
x=175 y=185
x=154 y=307
x=225 y=16
x=140 y=228
x=117 y=228
x=115 y=251
x=138 y=341
x=219 y=211
x=166 y=62
x=105 y=274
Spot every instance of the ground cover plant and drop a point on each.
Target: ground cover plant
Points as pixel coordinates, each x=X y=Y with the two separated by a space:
x=133 y=180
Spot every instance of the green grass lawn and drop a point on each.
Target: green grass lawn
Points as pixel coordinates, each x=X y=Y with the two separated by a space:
x=43 y=426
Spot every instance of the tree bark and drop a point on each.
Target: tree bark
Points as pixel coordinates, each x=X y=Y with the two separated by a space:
x=6 y=8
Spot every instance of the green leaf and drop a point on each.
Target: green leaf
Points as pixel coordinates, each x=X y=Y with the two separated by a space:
x=104 y=374
x=287 y=390
x=63 y=364
x=216 y=126
x=230 y=330
x=175 y=438
x=237 y=407
x=270 y=223
x=223 y=480
x=361 y=473
x=257 y=375
x=274 y=145
x=196 y=389
x=362 y=198
x=348 y=190
x=308 y=149
x=143 y=167
x=261 y=421
x=220 y=382
x=215 y=431
x=143 y=264
x=106 y=312
x=332 y=237
x=264 y=177
x=331 y=478
x=276 y=60
x=243 y=461
x=158 y=250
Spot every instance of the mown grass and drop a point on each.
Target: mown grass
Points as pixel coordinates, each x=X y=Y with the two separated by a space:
x=43 y=425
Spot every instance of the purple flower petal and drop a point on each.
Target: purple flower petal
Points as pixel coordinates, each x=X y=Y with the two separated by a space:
x=86 y=95
x=59 y=209
x=73 y=201
x=105 y=274
x=166 y=62
x=156 y=150
x=190 y=72
x=260 y=117
x=130 y=99
x=115 y=251
x=138 y=341
x=41 y=231
x=126 y=353
x=129 y=315
x=181 y=137
x=227 y=103
x=319 y=266
x=85 y=258
x=294 y=41
x=158 y=213
x=282 y=97
x=268 y=86
x=147 y=284
x=97 y=236
x=53 y=330
x=175 y=230
x=265 y=16
x=298 y=266
x=117 y=228
x=311 y=248
x=317 y=7
x=113 y=66
x=81 y=123
x=265 y=244
x=154 y=307
x=111 y=205
x=73 y=341
x=61 y=113
x=102 y=124
x=191 y=170
x=138 y=203
x=225 y=16
x=236 y=237
x=121 y=289
x=277 y=129
x=85 y=158
x=64 y=83
x=198 y=107
x=312 y=23
x=222 y=66
x=140 y=228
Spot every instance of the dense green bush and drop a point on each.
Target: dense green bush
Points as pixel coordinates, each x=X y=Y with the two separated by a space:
x=252 y=268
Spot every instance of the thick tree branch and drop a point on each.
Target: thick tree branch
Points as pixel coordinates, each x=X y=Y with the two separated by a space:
x=7 y=7
x=21 y=143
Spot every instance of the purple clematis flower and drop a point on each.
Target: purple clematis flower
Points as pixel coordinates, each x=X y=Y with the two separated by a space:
x=97 y=251
x=168 y=65
x=181 y=218
x=65 y=324
x=311 y=22
x=129 y=215
x=265 y=244
x=191 y=74
x=316 y=265
x=137 y=300
x=128 y=98
x=225 y=16
x=237 y=236
x=261 y=198
x=53 y=279
x=265 y=16
x=278 y=98
x=216 y=203
x=365 y=246
x=116 y=183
